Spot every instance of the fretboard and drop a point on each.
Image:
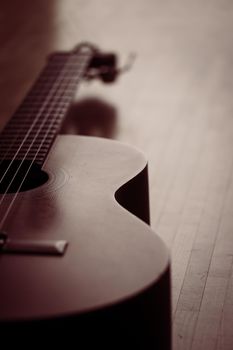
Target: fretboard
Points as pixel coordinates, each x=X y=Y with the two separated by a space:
x=31 y=131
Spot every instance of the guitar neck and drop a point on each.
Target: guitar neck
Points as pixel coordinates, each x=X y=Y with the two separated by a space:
x=31 y=131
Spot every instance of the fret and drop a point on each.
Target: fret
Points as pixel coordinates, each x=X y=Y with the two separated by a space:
x=23 y=155
x=34 y=104
x=36 y=142
x=38 y=97
x=43 y=93
x=29 y=157
x=19 y=127
x=26 y=150
x=39 y=138
x=24 y=147
x=38 y=159
x=16 y=125
x=46 y=82
x=27 y=114
x=31 y=117
x=22 y=132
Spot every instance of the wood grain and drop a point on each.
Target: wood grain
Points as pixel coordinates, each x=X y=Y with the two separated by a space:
x=176 y=105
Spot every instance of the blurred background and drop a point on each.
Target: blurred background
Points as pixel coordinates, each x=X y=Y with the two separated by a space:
x=175 y=104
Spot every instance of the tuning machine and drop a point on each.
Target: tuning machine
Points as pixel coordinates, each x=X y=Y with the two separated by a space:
x=104 y=66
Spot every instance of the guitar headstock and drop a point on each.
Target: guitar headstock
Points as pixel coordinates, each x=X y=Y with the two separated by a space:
x=105 y=66
x=102 y=65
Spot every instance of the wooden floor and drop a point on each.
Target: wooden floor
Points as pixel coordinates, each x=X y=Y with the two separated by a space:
x=176 y=104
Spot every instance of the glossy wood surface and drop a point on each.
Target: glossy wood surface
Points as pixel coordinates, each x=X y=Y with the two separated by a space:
x=115 y=273
x=111 y=255
x=176 y=105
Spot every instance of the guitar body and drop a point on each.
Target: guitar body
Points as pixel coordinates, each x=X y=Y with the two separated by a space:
x=111 y=288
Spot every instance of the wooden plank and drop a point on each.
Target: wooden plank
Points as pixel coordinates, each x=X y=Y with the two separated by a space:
x=209 y=317
x=183 y=329
x=225 y=337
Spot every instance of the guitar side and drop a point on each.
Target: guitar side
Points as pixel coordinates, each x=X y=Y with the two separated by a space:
x=112 y=286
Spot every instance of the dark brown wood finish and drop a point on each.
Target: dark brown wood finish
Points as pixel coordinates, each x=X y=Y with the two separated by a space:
x=114 y=274
x=114 y=278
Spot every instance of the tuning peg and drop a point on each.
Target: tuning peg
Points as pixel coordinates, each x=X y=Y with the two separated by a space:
x=104 y=67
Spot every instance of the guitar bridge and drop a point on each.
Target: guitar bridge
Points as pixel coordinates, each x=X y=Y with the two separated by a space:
x=33 y=247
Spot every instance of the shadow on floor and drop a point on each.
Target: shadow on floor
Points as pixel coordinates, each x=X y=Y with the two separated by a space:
x=93 y=117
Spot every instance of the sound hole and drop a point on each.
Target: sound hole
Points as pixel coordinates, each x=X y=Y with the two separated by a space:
x=20 y=176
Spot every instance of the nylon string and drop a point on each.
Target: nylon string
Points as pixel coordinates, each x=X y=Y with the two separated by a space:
x=54 y=121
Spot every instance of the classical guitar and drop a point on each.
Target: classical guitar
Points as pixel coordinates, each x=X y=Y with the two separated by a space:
x=78 y=261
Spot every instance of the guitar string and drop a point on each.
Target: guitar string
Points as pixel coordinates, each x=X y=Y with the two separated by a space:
x=84 y=46
x=77 y=79
x=39 y=113
x=45 y=136
x=46 y=102
x=24 y=178
x=51 y=105
x=21 y=127
x=48 y=111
